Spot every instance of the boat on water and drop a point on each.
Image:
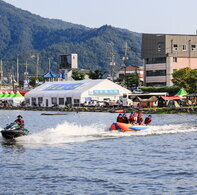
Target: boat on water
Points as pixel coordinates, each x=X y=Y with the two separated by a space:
x=13 y=131
x=127 y=127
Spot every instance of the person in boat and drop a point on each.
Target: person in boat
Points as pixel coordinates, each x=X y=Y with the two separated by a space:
x=125 y=119
x=139 y=119
x=133 y=118
x=20 y=121
x=148 y=120
x=119 y=118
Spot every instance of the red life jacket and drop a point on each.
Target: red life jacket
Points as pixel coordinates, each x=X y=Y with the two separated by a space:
x=119 y=119
x=132 y=119
x=147 y=120
x=20 y=122
x=139 y=120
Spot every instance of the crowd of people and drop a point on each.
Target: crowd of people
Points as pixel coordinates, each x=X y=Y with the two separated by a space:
x=134 y=118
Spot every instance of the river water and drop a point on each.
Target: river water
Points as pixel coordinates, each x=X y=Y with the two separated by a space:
x=76 y=154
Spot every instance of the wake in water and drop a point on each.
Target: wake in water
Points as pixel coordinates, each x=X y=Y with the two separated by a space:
x=68 y=133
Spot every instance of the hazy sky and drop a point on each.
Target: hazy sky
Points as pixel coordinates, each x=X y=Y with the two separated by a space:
x=148 y=16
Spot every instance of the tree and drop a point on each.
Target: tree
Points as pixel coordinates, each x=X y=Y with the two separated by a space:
x=132 y=80
x=76 y=75
x=186 y=78
x=97 y=74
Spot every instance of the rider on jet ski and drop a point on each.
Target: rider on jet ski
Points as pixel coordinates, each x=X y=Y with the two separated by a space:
x=20 y=121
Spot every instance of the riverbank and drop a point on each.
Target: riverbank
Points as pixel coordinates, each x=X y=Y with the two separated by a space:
x=164 y=110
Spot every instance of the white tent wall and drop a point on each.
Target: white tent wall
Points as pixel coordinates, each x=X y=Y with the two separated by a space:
x=103 y=86
x=96 y=89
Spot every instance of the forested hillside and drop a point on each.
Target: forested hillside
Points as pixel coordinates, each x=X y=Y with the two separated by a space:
x=26 y=35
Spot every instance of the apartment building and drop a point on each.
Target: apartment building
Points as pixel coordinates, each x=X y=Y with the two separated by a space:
x=165 y=53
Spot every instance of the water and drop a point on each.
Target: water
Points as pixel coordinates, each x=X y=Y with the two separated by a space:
x=76 y=154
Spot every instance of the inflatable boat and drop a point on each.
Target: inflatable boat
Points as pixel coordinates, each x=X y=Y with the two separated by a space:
x=127 y=127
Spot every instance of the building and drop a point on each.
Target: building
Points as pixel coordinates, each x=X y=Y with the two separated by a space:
x=68 y=62
x=164 y=53
x=131 y=70
x=74 y=93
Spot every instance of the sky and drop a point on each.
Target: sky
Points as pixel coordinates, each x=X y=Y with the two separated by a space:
x=143 y=16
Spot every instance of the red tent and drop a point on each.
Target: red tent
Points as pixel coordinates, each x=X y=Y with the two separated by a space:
x=171 y=97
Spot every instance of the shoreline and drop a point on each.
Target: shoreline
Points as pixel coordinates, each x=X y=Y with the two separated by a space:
x=163 y=110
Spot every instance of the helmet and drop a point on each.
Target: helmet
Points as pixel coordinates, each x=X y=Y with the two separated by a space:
x=120 y=115
x=19 y=116
x=150 y=116
x=132 y=113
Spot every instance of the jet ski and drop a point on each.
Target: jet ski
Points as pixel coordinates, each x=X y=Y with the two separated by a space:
x=13 y=130
x=127 y=127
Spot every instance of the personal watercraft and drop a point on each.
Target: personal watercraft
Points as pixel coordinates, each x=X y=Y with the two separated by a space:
x=13 y=130
x=127 y=127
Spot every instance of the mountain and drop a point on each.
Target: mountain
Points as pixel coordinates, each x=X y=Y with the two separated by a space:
x=26 y=35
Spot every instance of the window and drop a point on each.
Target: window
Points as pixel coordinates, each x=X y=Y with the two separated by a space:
x=193 y=47
x=40 y=100
x=174 y=59
x=33 y=101
x=155 y=60
x=61 y=101
x=159 y=47
x=184 y=47
x=156 y=73
x=54 y=100
x=76 y=102
x=175 y=47
x=159 y=84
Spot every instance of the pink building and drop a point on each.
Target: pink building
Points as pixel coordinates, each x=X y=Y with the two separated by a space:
x=163 y=54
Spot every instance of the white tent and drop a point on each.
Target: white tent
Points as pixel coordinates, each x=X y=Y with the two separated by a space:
x=10 y=96
x=6 y=94
x=17 y=99
x=74 y=92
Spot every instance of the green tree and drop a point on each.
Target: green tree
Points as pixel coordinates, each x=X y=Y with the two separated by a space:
x=97 y=74
x=186 y=78
x=32 y=82
x=76 y=75
x=132 y=80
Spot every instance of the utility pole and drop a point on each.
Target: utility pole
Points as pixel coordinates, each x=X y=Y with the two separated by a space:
x=1 y=72
x=112 y=62
x=17 y=72
x=37 y=64
x=49 y=64
x=26 y=73
x=125 y=58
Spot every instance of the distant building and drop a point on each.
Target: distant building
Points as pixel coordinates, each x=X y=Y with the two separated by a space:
x=68 y=62
x=164 y=53
x=131 y=70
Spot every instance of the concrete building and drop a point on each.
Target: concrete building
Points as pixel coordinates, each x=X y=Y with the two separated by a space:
x=164 y=53
x=74 y=93
x=68 y=62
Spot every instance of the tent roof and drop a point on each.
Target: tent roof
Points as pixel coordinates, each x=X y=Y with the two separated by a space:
x=151 y=99
x=50 y=75
x=192 y=95
x=181 y=92
x=74 y=88
x=6 y=94
x=11 y=94
x=171 y=97
x=17 y=94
